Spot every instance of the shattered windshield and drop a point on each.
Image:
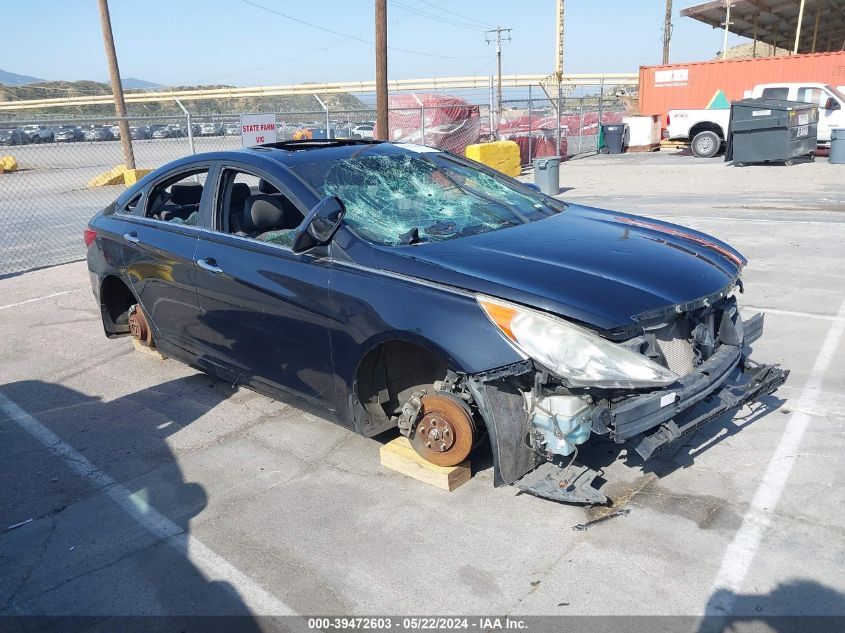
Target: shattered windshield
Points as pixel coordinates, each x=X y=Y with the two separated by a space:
x=395 y=199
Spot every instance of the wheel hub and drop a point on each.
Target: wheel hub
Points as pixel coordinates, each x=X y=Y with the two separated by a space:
x=436 y=432
x=446 y=432
x=138 y=326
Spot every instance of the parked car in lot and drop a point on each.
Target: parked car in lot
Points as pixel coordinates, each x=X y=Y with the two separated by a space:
x=707 y=129
x=13 y=136
x=401 y=286
x=165 y=131
x=233 y=129
x=98 y=133
x=69 y=134
x=115 y=132
x=211 y=129
x=364 y=131
x=38 y=133
x=140 y=132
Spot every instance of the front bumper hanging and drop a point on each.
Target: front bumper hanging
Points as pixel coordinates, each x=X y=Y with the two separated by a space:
x=649 y=422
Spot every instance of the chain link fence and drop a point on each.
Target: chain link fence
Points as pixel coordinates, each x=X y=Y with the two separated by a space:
x=46 y=202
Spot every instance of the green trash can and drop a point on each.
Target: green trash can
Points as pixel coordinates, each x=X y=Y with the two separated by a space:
x=837 y=146
x=612 y=138
x=771 y=130
x=547 y=174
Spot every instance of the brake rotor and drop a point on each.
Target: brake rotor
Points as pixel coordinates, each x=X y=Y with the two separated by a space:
x=445 y=433
x=138 y=326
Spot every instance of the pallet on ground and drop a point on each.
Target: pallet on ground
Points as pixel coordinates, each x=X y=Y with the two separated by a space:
x=673 y=144
x=150 y=351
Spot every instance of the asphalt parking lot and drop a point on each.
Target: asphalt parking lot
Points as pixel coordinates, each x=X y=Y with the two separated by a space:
x=143 y=487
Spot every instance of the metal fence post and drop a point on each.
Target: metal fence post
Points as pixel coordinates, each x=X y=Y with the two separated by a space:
x=559 y=116
x=530 y=144
x=422 y=123
x=190 y=126
x=601 y=103
x=326 y=110
x=493 y=116
x=581 y=125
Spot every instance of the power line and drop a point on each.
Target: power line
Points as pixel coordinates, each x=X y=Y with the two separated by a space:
x=308 y=53
x=353 y=37
x=465 y=17
x=437 y=18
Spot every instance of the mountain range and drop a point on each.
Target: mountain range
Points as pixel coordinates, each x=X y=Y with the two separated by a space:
x=14 y=79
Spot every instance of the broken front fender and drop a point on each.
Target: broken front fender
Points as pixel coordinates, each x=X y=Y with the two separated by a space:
x=646 y=421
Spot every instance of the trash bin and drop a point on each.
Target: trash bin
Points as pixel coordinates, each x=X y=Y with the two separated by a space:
x=613 y=135
x=547 y=174
x=771 y=130
x=837 y=146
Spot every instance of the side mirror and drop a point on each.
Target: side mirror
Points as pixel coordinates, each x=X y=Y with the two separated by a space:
x=320 y=225
x=832 y=104
x=531 y=185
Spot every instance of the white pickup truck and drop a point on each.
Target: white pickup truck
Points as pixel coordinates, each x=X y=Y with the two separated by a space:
x=706 y=129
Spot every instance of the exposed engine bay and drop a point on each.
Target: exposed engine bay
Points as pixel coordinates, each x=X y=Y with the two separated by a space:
x=537 y=419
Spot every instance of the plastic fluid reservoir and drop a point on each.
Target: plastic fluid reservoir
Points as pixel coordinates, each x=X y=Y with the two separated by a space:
x=564 y=421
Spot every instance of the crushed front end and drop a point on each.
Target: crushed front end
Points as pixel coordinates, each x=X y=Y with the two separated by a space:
x=692 y=364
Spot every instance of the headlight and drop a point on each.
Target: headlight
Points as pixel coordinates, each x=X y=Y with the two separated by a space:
x=577 y=355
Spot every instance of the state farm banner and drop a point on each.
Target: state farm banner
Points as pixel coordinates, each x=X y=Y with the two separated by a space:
x=257 y=129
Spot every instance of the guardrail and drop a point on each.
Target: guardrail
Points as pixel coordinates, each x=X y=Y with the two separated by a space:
x=396 y=85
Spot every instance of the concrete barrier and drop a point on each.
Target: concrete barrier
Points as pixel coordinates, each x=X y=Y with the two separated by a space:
x=500 y=155
x=131 y=176
x=118 y=176
x=111 y=177
x=8 y=163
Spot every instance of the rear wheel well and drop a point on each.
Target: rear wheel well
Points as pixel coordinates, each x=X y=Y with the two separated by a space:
x=115 y=300
x=706 y=126
x=388 y=375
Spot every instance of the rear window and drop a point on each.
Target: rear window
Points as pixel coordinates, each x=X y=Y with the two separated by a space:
x=775 y=93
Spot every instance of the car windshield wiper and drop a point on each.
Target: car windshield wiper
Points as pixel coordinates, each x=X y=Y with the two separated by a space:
x=411 y=237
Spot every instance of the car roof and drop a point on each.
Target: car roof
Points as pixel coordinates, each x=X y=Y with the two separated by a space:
x=296 y=153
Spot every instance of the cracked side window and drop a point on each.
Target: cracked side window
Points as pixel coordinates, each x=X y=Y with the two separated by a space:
x=395 y=199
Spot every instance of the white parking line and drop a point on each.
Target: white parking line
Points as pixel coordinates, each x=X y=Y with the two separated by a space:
x=792 y=313
x=215 y=568
x=55 y=294
x=740 y=553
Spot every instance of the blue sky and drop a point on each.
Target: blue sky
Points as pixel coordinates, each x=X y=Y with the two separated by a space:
x=232 y=42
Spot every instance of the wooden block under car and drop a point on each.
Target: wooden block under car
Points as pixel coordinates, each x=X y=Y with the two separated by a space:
x=400 y=456
x=152 y=351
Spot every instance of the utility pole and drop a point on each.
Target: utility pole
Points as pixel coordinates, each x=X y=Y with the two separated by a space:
x=728 y=5
x=116 y=86
x=667 y=31
x=382 y=131
x=798 y=27
x=498 y=39
x=559 y=41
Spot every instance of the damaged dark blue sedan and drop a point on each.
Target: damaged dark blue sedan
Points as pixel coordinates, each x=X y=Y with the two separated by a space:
x=400 y=286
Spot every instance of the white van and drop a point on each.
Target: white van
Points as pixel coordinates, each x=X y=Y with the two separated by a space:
x=830 y=100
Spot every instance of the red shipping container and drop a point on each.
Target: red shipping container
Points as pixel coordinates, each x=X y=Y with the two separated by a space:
x=691 y=86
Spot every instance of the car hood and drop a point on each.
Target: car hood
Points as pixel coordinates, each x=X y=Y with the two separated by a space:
x=602 y=268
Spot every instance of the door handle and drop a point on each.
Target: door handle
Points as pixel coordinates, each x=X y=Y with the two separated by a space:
x=210 y=265
x=131 y=237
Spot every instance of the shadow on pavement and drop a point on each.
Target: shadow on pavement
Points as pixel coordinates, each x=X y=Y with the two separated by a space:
x=796 y=606
x=83 y=554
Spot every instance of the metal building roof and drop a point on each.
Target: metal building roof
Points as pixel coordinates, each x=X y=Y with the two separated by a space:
x=776 y=21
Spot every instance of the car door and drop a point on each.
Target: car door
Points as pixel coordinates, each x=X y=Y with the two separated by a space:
x=265 y=309
x=829 y=118
x=158 y=256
